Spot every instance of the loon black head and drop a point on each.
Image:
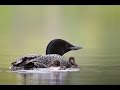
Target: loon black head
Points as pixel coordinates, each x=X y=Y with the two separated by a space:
x=59 y=46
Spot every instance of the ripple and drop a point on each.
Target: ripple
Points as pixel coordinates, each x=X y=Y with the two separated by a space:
x=46 y=70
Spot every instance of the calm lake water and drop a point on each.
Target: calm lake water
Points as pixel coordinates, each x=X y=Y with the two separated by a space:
x=105 y=72
x=28 y=29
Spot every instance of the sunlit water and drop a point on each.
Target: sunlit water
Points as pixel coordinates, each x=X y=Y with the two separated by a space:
x=105 y=72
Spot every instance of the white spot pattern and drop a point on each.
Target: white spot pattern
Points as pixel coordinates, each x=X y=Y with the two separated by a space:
x=41 y=59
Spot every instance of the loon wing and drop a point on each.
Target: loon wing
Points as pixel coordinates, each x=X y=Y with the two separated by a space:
x=25 y=58
x=36 y=61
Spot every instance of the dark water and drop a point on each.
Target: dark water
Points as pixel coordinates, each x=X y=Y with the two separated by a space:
x=101 y=71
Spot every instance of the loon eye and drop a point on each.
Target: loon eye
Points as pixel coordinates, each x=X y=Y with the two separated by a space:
x=66 y=45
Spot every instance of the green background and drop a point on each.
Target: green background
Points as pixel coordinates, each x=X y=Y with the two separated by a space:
x=28 y=29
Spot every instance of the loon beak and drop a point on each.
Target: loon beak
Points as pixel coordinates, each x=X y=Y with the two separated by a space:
x=75 y=48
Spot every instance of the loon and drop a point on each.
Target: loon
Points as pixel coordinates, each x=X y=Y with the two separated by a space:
x=54 y=51
x=62 y=66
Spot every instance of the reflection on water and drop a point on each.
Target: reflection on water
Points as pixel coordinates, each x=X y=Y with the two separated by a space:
x=53 y=78
x=93 y=71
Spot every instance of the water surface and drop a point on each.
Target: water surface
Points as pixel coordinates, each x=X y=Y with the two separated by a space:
x=104 y=71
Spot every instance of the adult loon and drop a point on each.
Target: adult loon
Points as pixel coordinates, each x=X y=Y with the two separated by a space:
x=54 y=51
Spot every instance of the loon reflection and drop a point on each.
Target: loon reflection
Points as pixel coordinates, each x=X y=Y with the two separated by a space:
x=53 y=78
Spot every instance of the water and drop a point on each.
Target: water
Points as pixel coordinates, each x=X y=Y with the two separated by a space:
x=101 y=71
x=28 y=29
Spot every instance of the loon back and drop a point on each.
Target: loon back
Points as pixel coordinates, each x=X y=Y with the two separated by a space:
x=37 y=61
x=47 y=59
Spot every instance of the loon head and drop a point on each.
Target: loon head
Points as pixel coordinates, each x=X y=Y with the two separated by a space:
x=59 y=46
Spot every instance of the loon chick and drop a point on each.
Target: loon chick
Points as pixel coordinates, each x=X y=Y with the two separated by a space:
x=72 y=62
x=54 y=51
x=68 y=64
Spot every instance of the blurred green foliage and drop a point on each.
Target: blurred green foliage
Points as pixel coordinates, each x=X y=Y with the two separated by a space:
x=28 y=29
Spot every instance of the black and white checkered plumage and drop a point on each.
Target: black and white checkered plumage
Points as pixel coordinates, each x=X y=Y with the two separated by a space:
x=55 y=49
x=37 y=61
